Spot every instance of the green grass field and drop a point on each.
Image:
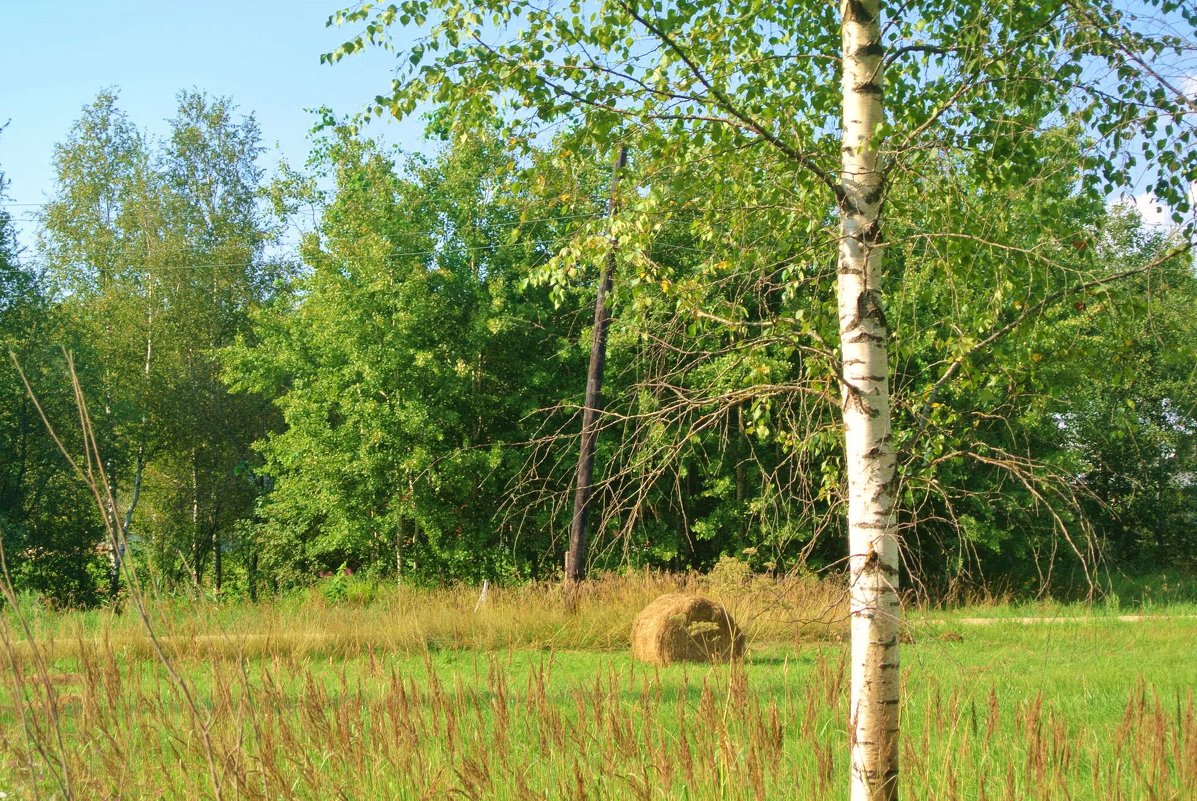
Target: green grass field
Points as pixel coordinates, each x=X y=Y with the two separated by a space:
x=412 y=695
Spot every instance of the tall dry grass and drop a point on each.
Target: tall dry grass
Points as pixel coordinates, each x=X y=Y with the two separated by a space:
x=407 y=621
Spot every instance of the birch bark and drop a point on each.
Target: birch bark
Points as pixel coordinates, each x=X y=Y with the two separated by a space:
x=869 y=452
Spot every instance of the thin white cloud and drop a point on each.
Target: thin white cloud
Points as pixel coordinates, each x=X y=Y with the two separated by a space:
x=1154 y=211
x=1188 y=85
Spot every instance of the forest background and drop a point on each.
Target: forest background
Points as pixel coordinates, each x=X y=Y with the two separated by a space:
x=400 y=397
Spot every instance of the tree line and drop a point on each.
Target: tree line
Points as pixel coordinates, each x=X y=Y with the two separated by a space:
x=398 y=387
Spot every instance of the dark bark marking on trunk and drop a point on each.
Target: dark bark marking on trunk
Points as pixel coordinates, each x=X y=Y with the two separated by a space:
x=871 y=233
x=873 y=48
x=871 y=88
x=859 y=13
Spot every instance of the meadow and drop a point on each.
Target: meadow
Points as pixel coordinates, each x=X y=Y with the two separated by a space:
x=354 y=691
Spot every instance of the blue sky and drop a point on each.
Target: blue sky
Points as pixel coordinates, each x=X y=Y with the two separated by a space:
x=265 y=54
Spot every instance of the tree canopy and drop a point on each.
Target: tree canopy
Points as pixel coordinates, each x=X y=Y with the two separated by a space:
x=402 y=393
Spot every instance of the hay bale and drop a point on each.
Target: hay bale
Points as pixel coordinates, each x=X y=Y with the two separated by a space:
x=685 y=628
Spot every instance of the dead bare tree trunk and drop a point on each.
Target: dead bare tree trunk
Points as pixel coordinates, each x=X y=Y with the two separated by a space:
x=575 y=557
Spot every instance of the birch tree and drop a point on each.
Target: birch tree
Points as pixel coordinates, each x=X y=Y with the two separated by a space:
x=102 y=242
x=849 y=104
x=155 y=253
x=868 y=441
x=212 y=179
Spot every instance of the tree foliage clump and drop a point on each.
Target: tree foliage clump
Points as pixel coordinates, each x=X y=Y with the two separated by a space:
x=49 y=529
x=154 y=256
x=406 y=362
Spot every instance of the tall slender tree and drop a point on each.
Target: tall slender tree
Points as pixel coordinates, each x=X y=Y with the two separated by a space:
x=100 y=238
x=575 y=557
x=868 y=440
x=209 y=168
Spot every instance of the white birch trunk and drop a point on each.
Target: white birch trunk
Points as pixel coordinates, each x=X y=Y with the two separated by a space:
x=869 y=452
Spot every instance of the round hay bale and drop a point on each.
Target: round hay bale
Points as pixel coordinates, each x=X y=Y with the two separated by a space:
x=685 y=628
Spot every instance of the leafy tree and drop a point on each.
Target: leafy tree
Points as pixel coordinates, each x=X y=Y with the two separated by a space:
x=211 y=185
x=48 y=527
x=404 y=364
x=1135 y=431
x=156 y=255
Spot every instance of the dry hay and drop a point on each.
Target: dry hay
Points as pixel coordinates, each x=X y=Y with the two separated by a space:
x=685 y=628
